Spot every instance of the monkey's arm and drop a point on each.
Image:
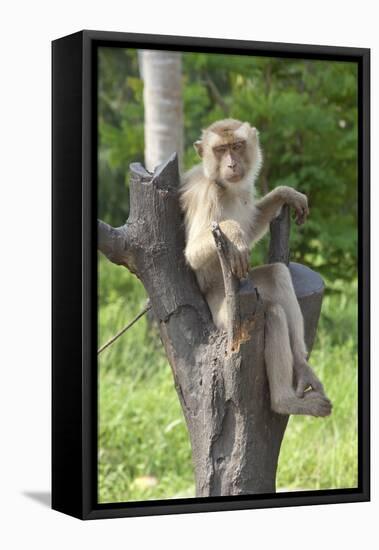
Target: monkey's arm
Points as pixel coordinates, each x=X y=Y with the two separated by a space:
x=269 y=206
x=201 y=250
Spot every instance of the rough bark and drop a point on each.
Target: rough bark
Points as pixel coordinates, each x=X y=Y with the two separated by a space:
x=220 y=377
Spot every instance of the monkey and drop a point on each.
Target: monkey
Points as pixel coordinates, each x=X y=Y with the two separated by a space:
x=221 y=189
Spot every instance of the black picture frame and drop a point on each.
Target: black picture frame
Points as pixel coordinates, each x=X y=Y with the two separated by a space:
x=74 y=271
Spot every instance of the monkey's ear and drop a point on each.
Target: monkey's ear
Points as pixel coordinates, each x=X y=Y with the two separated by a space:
x=199 y=147
x=243 y=131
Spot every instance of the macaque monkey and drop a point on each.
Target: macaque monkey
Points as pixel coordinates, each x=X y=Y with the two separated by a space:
x=221 y=189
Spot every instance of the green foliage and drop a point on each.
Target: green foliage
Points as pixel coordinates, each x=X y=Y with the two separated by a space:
x=120 y=118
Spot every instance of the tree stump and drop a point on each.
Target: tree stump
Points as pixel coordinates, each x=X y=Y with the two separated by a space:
x=220 y=377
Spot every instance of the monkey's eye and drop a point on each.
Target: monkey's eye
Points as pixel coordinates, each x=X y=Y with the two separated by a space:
x=220 y=150
x=238 y=146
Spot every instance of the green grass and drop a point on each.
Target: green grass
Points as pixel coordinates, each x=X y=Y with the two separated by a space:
x=144 y=451
x=322 y=453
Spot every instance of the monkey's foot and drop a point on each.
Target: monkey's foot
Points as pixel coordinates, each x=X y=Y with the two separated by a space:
x=317 y=404
x=313 y=404
x=305 y=379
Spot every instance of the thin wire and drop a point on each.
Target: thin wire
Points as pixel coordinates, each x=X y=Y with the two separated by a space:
x=116 y=336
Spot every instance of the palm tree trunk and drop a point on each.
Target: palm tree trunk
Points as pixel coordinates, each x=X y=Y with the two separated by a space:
x=162 y=75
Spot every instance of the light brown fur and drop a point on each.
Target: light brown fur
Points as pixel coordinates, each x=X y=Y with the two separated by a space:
x=221 y=189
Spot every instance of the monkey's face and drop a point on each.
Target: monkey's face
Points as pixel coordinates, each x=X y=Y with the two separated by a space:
x=230 y=151
x=230 y=158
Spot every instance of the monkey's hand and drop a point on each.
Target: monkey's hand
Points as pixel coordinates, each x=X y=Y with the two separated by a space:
x=237 y=250
x=238 y=255
x=298 y=201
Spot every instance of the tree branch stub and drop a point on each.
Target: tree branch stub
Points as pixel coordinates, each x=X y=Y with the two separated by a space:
x=112 y=242
x=240 y=296
x=280 y=228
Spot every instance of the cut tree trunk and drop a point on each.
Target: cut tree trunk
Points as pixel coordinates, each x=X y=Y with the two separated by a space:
x=220 y=377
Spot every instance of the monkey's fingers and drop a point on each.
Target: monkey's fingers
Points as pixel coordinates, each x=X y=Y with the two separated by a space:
x=239 y=268
x=235 y=263
x=243 y=265
x=239 y=262
x=301 y=214
x=305 y=213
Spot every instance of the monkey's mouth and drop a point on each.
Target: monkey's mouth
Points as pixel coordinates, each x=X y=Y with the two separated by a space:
x=234 y=178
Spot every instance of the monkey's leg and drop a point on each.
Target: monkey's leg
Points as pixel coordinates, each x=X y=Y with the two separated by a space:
x=285 y=295
x=217 y=304
x=278 y=358
x=275 y=284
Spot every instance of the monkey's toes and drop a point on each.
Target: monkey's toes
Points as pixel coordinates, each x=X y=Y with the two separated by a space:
x=319 y=405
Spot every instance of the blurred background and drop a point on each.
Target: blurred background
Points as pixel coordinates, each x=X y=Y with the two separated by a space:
x=152 y=103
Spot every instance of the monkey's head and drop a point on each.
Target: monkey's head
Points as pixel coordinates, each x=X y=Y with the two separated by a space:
x=230 y=153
